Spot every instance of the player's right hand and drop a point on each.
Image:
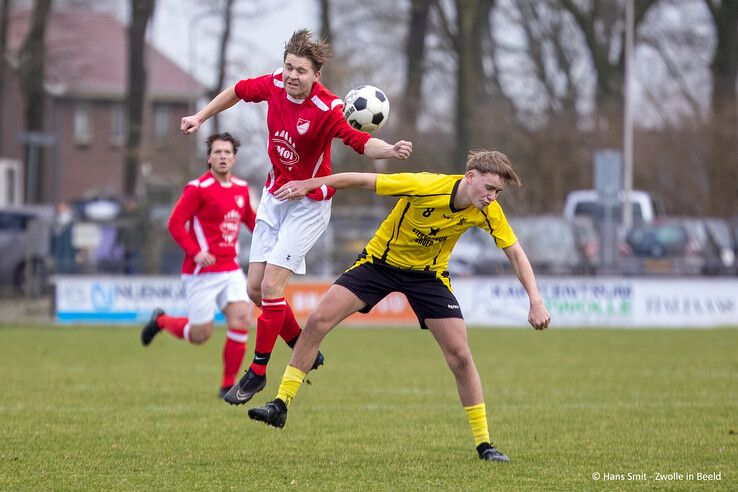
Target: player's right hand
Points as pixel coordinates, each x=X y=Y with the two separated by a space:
x=204 y=259
x=402 y=150
x=190 y=124
x=294 y=190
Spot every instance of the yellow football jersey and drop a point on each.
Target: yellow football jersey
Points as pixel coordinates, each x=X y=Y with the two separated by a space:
x=423 y=228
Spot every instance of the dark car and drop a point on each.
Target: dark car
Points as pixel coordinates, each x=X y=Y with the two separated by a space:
x=676 y=246
x=25 y=240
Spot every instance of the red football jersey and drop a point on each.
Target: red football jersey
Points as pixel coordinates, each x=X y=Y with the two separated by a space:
x=300 y=131
x=208 y=217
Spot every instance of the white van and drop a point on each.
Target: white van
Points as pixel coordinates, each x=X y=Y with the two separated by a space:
x=586 y=203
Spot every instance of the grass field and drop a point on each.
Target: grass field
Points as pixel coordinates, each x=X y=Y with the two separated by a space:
x=90 y=409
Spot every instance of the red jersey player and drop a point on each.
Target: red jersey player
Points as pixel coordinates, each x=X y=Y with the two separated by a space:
x=206 y=222
x=303 y=118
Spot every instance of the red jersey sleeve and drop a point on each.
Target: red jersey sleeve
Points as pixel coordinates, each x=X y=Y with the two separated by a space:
x=256 y=89
x=249 y=216
x=183 y=212
x=351 y=136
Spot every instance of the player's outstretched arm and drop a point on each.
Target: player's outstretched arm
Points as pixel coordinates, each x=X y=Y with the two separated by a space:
x=376 y=148
x=294 y=190
x=538 y=316
x=221 y=102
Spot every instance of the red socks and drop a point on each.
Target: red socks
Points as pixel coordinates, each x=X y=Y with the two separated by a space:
x=290 y=328
x=268 y=327
x=233 y=352
x=177 y=326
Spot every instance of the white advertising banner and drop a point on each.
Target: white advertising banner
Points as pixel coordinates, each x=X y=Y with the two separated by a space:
x=604 y=302
x=499 y=301
x=116 y=299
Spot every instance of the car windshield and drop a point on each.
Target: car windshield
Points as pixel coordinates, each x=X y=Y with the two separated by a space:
x=596 y=211
x=658 y=240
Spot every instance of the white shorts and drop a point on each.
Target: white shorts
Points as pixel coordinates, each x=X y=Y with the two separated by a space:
x=286 y=230
x=207 y=292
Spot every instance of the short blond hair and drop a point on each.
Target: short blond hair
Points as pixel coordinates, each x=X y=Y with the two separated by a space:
x=301 y=44
x=492 y=161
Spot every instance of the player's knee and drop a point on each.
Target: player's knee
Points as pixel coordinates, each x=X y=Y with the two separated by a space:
x=319 y=323
x=460 y=360
x=200 y=334
x=254 y=293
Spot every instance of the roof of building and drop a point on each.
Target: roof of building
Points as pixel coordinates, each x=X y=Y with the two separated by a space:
x=86 y=55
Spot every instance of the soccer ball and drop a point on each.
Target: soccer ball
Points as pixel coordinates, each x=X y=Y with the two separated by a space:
x=366 y=108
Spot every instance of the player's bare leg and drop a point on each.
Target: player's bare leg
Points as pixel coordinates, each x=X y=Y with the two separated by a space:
x=337 y=304
x=450 y=333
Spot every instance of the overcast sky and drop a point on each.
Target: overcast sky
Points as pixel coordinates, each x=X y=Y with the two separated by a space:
x=258 y=36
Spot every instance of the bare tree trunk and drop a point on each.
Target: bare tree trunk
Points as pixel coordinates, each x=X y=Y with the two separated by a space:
x=471 y=17
x=141 y=11
x=31 y=71
x=327 y=74
x=604 y=16
x=4 y=10
x=222 y=56
x=723 y=155
x=415 y=61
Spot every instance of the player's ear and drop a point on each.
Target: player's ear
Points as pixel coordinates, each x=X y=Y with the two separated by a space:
x=317 y=75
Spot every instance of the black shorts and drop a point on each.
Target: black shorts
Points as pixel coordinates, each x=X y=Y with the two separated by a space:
x=428 y=296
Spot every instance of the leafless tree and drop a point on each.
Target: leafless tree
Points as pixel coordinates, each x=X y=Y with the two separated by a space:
x=222 y=58
x=414 y=62
x=4 y=10
x=602 y=28
x=723 y=155
x=32 y=73
x=141 y=11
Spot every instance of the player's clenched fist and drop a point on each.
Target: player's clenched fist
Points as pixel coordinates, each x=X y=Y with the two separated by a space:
x=402 y=149
x=189 y=124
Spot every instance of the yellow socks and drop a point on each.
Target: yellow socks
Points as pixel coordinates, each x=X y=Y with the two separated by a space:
x=477 y=416
x=291 y=381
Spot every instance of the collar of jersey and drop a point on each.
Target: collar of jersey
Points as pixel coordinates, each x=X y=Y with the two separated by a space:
x=453 y=195
x=294 y=100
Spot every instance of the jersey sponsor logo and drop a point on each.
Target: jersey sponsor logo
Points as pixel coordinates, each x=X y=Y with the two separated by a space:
x=426 y=240
x=461 y=221
x=229 y=228
x=434 y=231
x=239 y=201
x=285 y=147
x=302 y=126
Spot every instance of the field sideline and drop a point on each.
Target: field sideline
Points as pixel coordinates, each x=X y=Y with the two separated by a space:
x=90 y=409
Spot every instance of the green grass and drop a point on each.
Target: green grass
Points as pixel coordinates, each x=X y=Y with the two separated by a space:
x=90 y=409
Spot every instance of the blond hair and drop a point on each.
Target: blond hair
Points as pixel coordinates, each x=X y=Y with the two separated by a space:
x=301 y=44
x=492 y=161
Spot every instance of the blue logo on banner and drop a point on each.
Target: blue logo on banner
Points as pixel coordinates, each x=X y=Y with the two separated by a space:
x=102 y=296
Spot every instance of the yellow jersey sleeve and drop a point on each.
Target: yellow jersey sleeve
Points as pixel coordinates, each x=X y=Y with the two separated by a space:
x=414 y=184
x=498 y=226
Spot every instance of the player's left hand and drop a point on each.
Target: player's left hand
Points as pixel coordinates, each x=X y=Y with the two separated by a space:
x=538 y=316
x=293 y=190
x=402 y=150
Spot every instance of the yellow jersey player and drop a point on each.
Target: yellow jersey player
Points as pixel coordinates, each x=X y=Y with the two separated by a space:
x=409 y=254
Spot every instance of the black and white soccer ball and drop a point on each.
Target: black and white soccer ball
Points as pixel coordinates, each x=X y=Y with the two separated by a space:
x=366 y=108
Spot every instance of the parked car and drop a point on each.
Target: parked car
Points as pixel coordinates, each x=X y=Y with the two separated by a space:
x=587 y=203
x=554 y=245
x=668 y=246
x=25 y=240
x=475 y=253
